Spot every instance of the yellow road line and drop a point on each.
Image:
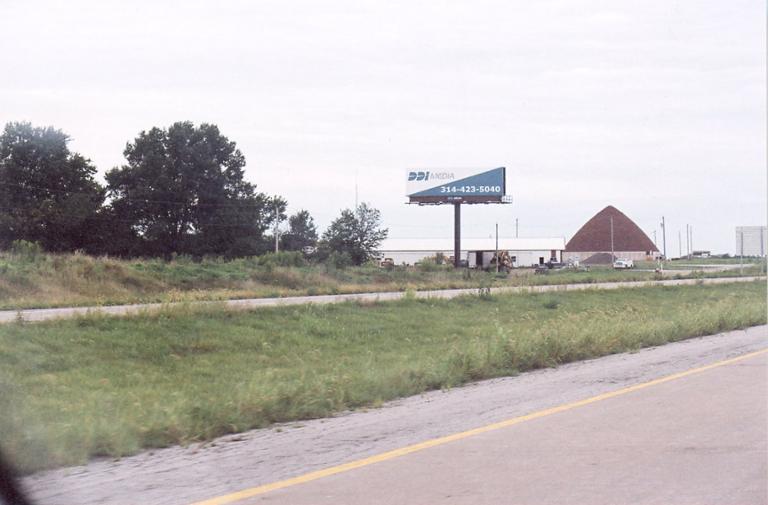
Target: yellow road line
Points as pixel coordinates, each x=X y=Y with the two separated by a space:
x=250 y=492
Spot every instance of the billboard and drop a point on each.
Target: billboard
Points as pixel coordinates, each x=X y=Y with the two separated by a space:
x=435 y=186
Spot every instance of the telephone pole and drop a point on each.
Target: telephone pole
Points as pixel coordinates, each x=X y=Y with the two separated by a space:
x=613 y=256
x=664 y=237
x=277 y=225
x=497 y=247
x=741 y=252
x=516 y=235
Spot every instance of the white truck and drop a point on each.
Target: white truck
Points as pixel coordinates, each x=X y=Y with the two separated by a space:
x=621 y=264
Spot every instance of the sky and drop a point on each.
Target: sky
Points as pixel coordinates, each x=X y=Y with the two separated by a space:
x=657 y=107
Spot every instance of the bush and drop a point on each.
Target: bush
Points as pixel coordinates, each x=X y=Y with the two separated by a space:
x=282 y=259
x=339 y=260
x=26 y=249
x=427 y=266
x=433 y=263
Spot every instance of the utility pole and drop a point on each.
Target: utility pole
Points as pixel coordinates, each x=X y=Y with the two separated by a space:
x=516 y=235
x=277 y=225
x=613 y=256
x=691 y=240
x=664 y=237
x=687 y=242
x=497 y=247
x=741 y=251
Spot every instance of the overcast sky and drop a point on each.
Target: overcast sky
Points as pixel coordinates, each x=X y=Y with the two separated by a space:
x=657 y=107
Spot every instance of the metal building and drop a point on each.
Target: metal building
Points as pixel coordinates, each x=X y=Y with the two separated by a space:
x=608 y=235
x=524 y=252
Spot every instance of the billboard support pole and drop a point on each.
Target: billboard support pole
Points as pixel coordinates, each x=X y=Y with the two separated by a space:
x=457 y=234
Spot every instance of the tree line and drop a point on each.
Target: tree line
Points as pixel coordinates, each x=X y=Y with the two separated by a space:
x=181 y=191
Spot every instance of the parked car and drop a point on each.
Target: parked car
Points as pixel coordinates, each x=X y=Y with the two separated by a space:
x=622 y=264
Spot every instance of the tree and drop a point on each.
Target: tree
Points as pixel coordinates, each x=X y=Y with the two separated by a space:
x=47 y=193
x=182 y=191
x=301 y=233
x=357 y=233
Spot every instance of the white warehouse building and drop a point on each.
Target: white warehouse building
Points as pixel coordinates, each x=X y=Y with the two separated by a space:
x=525 y=252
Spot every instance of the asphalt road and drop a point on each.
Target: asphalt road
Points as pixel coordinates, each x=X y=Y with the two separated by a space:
x=572 y=434
x=33 y=315
x=695 y=440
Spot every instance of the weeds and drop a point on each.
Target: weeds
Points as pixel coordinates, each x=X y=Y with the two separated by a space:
x=71 y=390
x=31 y=279
x=551 y=303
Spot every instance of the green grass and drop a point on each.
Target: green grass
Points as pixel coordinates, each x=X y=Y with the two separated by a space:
x=99 y=386
x=719 y=261
x=58 y=280
x=705 y=264
x=640 y=273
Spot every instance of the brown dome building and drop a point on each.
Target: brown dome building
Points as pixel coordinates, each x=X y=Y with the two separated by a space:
x=592 y=243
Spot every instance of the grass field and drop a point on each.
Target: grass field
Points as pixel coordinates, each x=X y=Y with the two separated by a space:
x=717 y=261
x=46 y=280
x=703 y=263
x=98 y=386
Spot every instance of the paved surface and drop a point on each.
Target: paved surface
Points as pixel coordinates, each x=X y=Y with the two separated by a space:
x=7 y=316
x=696 y=440
x=711 y=427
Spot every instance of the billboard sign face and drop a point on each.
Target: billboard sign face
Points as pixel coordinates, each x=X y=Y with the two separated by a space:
x=456 y=185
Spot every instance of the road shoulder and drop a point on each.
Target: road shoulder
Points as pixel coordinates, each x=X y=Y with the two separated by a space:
x=184 y=475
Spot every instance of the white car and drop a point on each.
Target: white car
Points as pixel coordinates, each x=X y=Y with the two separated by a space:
x=622 y=264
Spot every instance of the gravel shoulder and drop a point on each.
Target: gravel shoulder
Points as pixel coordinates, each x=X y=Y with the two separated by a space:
x=182 y=475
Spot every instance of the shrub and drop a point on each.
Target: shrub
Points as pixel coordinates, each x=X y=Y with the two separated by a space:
x=428 y=265
x=26 y=249
x=339 y=260
x=282 y=259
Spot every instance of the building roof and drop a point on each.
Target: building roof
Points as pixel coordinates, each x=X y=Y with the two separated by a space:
x=595 y=235
x=473 y=244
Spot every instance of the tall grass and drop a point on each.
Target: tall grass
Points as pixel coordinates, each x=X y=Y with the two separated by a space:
x=31 y=279
x=99 y=386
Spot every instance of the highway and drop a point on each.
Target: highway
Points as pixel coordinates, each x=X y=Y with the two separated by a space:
x=697 y=439
x=681 y=423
